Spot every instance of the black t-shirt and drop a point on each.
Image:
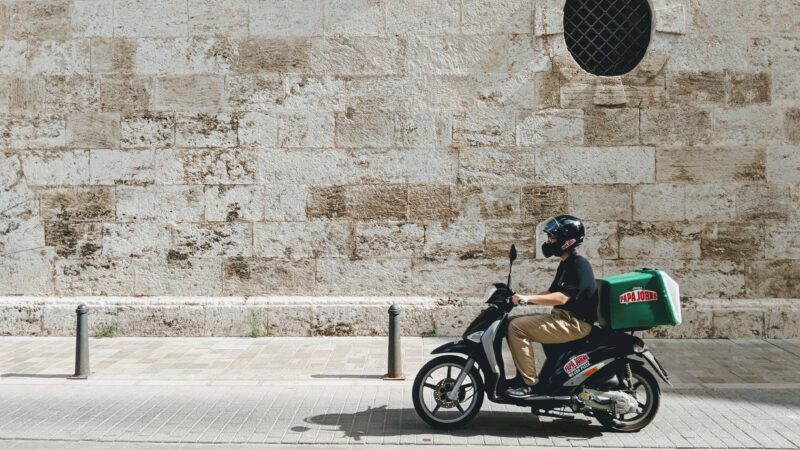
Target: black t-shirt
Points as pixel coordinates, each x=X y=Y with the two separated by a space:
x=575 y=279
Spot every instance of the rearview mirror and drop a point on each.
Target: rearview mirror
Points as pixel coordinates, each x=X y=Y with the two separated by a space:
x=512 y=254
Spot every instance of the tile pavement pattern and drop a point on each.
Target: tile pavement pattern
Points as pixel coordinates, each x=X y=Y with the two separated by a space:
x=303 y=391
x=375 y=147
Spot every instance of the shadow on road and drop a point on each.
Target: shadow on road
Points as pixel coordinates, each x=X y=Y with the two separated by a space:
x=34 y=375
x=382 y=421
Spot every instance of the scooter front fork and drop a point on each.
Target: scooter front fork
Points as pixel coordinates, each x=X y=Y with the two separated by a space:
x=453 y=394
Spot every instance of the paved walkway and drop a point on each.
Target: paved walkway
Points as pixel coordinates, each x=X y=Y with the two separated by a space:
x=327 y=392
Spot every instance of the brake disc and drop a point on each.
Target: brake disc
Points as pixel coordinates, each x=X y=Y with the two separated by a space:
x=440 y=393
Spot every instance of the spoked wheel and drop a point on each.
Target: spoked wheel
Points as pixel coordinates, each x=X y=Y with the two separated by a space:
x=434 y=380
x=643 y=386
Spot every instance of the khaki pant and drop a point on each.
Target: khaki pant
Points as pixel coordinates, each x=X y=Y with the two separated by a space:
x=555 y=328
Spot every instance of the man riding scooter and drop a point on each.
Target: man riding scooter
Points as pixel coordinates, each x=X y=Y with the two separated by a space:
x=572 y=295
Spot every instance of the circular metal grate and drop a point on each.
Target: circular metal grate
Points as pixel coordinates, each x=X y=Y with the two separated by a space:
x=607 y=37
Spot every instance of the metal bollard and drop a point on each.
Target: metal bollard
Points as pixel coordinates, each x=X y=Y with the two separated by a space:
x=395 y=371
x=81 y=345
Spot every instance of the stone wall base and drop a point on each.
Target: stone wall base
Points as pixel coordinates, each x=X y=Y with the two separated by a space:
x=346 y=316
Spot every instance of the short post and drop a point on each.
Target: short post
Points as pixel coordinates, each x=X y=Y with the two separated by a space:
x=81 y=345
x=395 y=371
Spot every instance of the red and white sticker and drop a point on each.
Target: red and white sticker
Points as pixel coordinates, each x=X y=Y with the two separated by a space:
x=576 y=364
x=638 y=296
x=567 y=244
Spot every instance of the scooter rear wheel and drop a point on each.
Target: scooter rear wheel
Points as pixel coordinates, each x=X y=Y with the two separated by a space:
x=647 y=393
x=431 y=385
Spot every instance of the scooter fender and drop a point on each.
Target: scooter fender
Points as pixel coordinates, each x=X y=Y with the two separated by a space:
x=463 y=347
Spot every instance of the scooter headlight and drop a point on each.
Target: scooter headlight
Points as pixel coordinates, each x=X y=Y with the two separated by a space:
x=490 y=292
x=475 y=337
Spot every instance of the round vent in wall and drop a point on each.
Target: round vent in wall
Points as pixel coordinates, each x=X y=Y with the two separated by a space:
x=607 y=37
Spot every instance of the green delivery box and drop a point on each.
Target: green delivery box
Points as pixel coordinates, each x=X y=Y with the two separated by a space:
x=644 y=298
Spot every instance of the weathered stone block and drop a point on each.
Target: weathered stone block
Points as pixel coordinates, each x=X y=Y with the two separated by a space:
x=301 y=167
x=147 y=130
x=298 y=18
x=659 y=240
x=66 y=94
x=326 y=202
x=430 y=17
x=210 y=55
x=253 y=276
x=166 y=320
x=540 y=202
x=253 y=92
x=390 y=240
x=235 y=319
x=206 y=130
x=258 y=55
x=177 y=276
x=162 y=56
x=59 y=57
x=258 y=130
x=783 y=242
x=352 y=56
x=78 y=204
x=290 y=320
x=707 y=164
x=737 y=324
x=213 y=18
x=497 y=166
x=161 y=203
x=782 y=324
x=349 y=320
x=402 y=166
x=703 y=88
x=791 y=125
x=34 y=131
x=367 y=276
x=607 y=165
x=234 y=203
x=457 y=54
x=125 y=94
x=489 y=202
x=92 y=18
x=219 y=166
x=486 y=17
x=611 y=126
x=13 y=57
x=150 y=18
x=210 y=240
x=501 y=235
x=112 y=167
x=675 y=126
x=460 y=238
x=56 y=168
x=285 y=202
x=93 y=130
x=73 y=240
x=169 y=167
x=783 y=164
x=40 y=19
x=113 y=55
x=484 y=128
x=658 y=202
x=377 y=202
x=550 y=127
x=602 y=241
x=196 y=92
x=306 y=130
x=764 y=202
x=96 y=276
x=28 y=272
x=736 y=126
x=420 y=130
x=710 y=202
x=355 y=18
x=22 y=319
x=777 y=278
x=732 y=241
x=298 y=240
x=749 y=89
x=431 y=203
x=598 y=202
x=456 y=276
x=25 y=95
x=362 y=130
x=127 y=240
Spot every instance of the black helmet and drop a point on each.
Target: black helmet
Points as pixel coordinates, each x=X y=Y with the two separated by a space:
x=568 y=231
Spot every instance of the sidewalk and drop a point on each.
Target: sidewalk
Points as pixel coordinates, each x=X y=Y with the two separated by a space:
x=326 y=392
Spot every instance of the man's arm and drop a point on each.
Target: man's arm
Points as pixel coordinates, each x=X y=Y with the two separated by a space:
x=545 y=298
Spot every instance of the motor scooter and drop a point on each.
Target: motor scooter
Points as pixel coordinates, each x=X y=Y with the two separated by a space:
x=602 y=375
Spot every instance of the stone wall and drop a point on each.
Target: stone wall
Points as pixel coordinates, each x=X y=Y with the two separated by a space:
x=398 y=147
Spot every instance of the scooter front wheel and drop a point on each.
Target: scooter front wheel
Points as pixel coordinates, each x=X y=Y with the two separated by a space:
x=434 y=380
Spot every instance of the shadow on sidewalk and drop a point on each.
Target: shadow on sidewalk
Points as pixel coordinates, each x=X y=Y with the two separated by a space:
x=34 y=375
x=333 y=375
x=381 y=421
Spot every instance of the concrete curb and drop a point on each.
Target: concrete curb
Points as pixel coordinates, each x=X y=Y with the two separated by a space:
x=347 y=316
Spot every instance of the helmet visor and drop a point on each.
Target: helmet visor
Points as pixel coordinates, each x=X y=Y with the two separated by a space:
x=552 y=226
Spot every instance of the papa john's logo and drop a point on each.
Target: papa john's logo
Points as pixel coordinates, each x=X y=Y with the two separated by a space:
x=638 y=295
x=576 y=364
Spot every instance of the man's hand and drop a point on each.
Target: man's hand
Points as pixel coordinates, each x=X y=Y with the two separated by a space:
x=516 y=299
